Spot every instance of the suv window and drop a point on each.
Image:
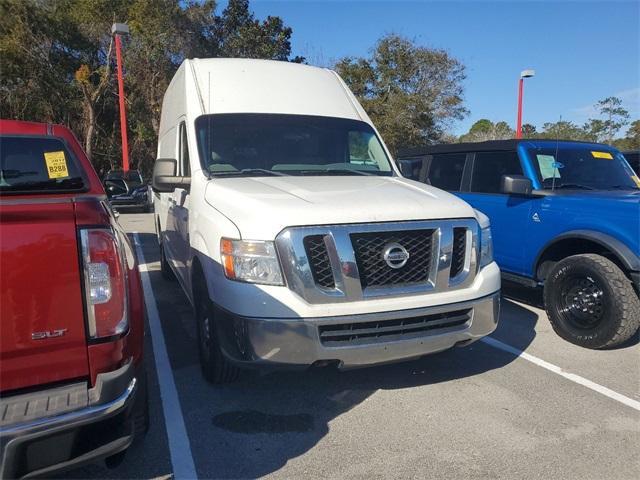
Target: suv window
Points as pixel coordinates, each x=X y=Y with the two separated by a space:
x=489 y=167
x=185 y=168
x=32 y=164
x=446 y=171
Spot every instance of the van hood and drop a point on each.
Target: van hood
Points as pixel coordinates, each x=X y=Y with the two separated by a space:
x=261 y=207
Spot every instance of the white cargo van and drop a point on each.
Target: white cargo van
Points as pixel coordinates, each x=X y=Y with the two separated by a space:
x=283 y=217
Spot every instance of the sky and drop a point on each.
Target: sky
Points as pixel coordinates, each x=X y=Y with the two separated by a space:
x=582 y=51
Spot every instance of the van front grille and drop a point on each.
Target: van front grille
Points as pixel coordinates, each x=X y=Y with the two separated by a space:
x=390 y=330
x=318 y=257
x=459 y=250
x=376 y=272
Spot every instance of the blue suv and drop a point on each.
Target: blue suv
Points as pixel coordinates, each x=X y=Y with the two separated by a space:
x=565 y=215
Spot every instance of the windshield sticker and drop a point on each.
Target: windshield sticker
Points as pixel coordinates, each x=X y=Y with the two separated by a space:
x=56 y=164
x=549 y=168
x=605 y=155
x=636 y=179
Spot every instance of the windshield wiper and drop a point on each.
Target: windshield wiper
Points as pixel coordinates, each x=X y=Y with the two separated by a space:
x=348 y=170
x=622 y=187
x=247 y=171
x=326 y=171
x=573 y=185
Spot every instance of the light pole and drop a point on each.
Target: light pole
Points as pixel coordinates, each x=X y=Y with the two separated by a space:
x=524 y=74
x=117 y=30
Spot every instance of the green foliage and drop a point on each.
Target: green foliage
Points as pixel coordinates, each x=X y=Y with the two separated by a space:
x=614 y=117
x=58 y=62
x=563 y=130
x=412 y=93
x=631 y=141
x=485 y=129
x=529 y=131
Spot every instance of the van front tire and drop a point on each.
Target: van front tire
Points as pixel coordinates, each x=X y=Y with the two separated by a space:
x=216 y=368
x=590 y=302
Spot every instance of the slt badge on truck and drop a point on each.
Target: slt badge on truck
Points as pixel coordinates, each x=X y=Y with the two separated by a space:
x=48 y=334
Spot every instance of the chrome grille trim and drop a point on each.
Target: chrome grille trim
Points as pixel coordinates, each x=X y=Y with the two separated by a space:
x=347 y=286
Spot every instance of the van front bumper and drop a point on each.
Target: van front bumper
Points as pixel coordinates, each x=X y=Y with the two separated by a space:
x=54 y=438
x=355 y=340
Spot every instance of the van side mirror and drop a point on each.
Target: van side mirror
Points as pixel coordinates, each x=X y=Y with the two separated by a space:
x=516 y=185
x=410 y=167
x=164 y=178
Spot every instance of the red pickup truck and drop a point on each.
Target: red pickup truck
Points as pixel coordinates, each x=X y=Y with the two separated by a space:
x=72 y=381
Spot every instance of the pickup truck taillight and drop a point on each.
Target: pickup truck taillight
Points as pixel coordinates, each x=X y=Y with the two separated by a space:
x=105 y=283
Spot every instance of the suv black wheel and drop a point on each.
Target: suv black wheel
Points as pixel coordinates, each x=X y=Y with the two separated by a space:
x=590 y=302
x=215 y=366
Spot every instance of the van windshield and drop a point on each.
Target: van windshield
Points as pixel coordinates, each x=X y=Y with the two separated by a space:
x=583 y=168
x=248 y=144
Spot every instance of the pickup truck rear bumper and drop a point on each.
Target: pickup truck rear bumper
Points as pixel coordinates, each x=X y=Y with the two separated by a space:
x=43 y=436
x=355 y=340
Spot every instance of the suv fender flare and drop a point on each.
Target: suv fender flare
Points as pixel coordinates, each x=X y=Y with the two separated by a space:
x=630 y=260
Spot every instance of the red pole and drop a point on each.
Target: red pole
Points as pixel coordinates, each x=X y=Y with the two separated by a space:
x=519 y=124
x=123 y=114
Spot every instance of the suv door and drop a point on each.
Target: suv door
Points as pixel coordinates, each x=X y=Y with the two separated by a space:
x=181 y=206
x=509 y=214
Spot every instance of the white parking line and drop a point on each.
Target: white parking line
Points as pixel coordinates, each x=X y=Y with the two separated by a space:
x=570 y=376
x=179 y=446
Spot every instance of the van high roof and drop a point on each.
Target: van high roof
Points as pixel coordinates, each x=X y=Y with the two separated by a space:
x=233 y=85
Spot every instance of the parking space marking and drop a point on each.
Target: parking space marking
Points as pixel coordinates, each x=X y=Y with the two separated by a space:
x=557 y=370
x=179 y=446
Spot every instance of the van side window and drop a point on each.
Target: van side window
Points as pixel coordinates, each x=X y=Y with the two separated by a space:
x=489 y=167
x=185 y=167
x=446 y=171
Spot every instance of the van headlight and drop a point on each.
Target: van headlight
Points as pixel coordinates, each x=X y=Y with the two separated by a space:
x=486 y=247
x=250 y=261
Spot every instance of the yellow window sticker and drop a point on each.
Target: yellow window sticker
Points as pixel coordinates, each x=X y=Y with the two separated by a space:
x=636 y=179
x=56 y=164
x=605 y=155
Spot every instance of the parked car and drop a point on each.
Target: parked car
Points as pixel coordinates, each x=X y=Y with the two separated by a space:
x=294 y=236
x=633 y=157
x=126 y=190
x=72 y=379
x=565 y=215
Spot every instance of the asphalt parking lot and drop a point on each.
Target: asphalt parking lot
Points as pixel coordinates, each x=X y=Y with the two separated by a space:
x=483 y=411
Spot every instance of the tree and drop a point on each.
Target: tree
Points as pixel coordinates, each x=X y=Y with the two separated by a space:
x=529 y=131
x=239 y=34
x=613 y=117
x=632 y=139
x=485 y=129
x=57 y=62
x=563 y=130
x=412 y=93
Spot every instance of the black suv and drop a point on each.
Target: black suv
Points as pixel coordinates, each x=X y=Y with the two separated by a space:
x=128 y=190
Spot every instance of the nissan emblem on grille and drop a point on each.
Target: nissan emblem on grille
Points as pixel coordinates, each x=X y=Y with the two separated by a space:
x=395 y=255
